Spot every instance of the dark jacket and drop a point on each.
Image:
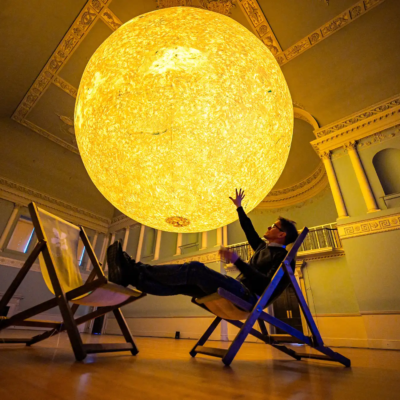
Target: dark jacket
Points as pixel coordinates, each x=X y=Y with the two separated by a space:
x=257 y=274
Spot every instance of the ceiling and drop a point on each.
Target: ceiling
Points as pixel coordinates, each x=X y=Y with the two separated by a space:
x=337 y=59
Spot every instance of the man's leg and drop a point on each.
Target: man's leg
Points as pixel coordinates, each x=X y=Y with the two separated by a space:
x=194 y=278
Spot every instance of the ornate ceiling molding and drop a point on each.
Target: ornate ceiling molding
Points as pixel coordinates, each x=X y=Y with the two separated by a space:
x=219 y=6
x=369 y=226
x=301 y=191
x=260 y=25
x=23 y=195
x=76 y=33
x=110 y=19
x=341 y=20
x=304 y=115
x=64 y=85
x=364 y=123
x=50 y=136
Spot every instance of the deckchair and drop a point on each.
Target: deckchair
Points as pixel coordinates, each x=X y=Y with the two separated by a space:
x=57 y=249
x=226 y=306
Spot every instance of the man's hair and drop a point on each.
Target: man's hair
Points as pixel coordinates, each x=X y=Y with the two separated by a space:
x=289 y=227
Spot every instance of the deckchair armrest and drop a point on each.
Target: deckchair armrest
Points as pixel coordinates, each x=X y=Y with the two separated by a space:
x=86 y=288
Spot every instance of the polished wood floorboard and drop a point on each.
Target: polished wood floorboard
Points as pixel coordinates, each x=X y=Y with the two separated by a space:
x=164 y=370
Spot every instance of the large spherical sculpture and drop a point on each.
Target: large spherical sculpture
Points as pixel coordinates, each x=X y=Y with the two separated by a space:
x=175 y=110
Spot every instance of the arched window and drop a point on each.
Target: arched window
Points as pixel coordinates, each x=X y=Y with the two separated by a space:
x=387 y=167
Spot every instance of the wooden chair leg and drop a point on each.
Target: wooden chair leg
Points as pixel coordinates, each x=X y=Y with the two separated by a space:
x=72 y=329
x=240 y=337
x=206 y=335
x=125 y=330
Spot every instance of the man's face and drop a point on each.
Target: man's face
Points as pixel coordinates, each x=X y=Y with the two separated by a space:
x=274 y=231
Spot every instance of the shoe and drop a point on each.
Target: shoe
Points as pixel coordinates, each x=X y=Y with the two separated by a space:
x=117 y=265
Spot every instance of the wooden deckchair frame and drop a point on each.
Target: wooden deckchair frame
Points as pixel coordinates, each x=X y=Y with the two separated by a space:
x=257 y=314
x=96 y=279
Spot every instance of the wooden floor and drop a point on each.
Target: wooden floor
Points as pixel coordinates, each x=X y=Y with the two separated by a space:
x=164 y=370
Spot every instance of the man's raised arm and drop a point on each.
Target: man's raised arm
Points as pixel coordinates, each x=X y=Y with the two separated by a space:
x=245 y=222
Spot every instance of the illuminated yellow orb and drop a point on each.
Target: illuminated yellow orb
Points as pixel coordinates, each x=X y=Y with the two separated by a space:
x=175 y=110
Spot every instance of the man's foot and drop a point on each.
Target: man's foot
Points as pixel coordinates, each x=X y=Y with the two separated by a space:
x=118 y=266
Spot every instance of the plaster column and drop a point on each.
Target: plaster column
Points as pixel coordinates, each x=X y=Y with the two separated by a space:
x=204 y=238
x=112 y=240
x=225 y=236
x=126 y=237
x=140 y=244
x=219 y=237
x=9 y=225
x=362 y=179
x=333 y=183
x=158 y=245
x=89 y=264
x=178 y=244
x=103 y=249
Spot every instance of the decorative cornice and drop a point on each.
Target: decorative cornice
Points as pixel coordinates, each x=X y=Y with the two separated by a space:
x=300 y=192
x=50 y=136
x=260 y=25
x=364 y=123
x=370 y=226
x=63 y=52
x=219 y=6
x=335 y=24
x=58 y=81
x=120 y=222
x=23 y=195
x=320 y=254
x=110 y=19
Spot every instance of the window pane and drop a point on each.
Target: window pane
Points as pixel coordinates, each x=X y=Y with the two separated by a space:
x=21 y=235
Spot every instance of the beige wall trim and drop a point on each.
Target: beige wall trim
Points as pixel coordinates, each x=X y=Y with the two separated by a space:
x=13 y=263
x=203 y=258
x=326 y=30
x=64 y=85
x=364 y=123
x=336 y=315
x=369 y=226
x=78 y=30
x=23 y=195
x=320 y=254
x=380 y=312
x=50 y=136
x=260 y=25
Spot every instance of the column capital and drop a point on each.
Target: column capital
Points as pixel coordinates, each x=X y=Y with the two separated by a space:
x=326 y=155
x=351 y=145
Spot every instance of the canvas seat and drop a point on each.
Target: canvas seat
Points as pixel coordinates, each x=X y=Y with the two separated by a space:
x=227 y=306
x=57 y=250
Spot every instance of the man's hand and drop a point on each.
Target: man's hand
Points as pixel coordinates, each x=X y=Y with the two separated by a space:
x=239 y=198
x=228 y=255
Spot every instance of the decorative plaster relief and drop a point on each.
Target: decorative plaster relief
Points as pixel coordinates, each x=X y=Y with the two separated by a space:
x=23 y=195
x=370 y=121
x=260 y=25
x=219 y=6
x=110 y=19
x=69 y=43
x=65 y=86
x=50 y=136
x=370 y=226
x=343 y=19
x=297 y=193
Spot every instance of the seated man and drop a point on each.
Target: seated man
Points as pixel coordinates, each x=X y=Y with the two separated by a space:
x=195 y=279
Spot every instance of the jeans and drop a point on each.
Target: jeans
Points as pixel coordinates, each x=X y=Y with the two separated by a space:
x=191 y=279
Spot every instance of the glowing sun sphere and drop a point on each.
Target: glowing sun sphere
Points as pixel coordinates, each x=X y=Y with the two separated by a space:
x=175 y=110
